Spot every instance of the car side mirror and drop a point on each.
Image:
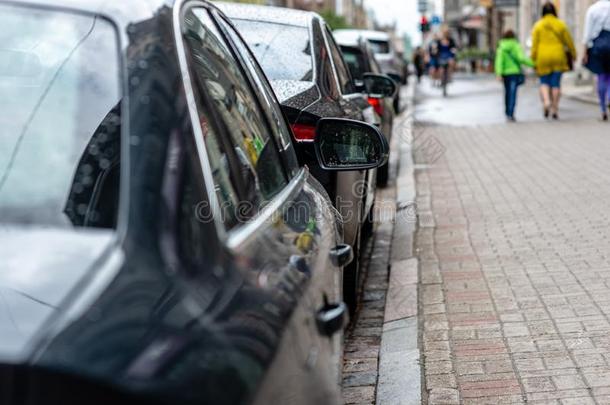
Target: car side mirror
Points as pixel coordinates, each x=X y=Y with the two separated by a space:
x=343 y=144
x=395 y=77
x=379 y=85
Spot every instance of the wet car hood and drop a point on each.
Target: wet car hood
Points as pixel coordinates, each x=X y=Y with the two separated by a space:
x=296 y=94
x=39 y=268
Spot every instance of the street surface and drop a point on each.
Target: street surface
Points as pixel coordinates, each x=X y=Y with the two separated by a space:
x=513 y=245
x=476 y=101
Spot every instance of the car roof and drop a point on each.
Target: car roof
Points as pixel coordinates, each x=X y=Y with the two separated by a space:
x=128 y=10
x=350 y=35
x=278 y=15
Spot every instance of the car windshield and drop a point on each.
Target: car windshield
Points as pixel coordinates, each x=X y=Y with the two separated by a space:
x=284 y=51
x=60 y=120
x=379 y=46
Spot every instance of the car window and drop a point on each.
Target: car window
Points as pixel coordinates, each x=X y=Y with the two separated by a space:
x=60 y=120
x=249 y=157
x=374 y=64
x=355 y=62
x=284 y=51
x=379 y=46
x=345 y=80
x=278 y=126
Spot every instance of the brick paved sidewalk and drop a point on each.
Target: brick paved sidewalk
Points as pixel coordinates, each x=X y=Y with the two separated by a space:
x=514 y=251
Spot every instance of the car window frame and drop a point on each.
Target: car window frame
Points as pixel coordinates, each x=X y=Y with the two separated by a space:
x=249 y=83
x=241 y=232
x=188 y=84
x=327 y=35
x=267 y=118
x=359 y=54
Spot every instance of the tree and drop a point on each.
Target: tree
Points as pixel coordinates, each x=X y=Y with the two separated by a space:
x=333 y=20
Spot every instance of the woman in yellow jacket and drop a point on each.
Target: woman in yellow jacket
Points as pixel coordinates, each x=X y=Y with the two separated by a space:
x=552 y=49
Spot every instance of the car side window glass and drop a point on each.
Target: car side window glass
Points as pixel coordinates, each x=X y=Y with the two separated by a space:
x=345 y=80
x=276 y=120
x=253 y=164
x=355 y=62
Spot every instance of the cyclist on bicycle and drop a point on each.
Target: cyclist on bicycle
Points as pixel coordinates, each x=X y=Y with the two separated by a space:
x=447 y=50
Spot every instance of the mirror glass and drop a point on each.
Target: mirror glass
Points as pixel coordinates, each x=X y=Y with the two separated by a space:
x=345 y=144
x=379 y=85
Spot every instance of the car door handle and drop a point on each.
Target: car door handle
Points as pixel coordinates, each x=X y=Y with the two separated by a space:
x=341 y=255
x=299 y=263
x=331 y=318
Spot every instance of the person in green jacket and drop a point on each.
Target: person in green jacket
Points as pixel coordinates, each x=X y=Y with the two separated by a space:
x=509 y=59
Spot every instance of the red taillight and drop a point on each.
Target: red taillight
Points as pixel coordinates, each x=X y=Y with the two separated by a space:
x=304 y=133
x=377 y=104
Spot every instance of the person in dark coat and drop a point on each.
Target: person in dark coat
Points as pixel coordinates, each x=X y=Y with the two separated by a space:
x=597 y=50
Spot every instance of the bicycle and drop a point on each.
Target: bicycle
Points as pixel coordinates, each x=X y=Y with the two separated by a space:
x=444 y=68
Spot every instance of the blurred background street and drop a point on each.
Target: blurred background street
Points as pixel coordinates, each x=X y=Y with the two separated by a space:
x=478 y=99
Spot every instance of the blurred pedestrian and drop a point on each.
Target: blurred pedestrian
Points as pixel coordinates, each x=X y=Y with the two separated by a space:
x=553 y=53
x=433 y=62
x=509 y=59
x=597 y=50
x=419 y=60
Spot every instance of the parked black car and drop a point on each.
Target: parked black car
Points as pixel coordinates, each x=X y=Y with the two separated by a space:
x=389 y=60
x=307 y=71
x=361 y=62
x=159 y=241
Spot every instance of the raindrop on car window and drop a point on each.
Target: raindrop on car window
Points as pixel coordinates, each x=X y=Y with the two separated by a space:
x=87 y=180
x=109 y=152
x=86 y=169
x=81 y=209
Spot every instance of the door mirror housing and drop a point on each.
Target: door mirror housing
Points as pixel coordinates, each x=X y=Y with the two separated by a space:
x=396 y=77
x=379 y=85
x=343 y=144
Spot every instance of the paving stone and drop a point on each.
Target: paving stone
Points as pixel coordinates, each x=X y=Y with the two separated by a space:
x=358 y=395
x=354 y=365
x=443 y=396
x=360 y=379
x=517 y=258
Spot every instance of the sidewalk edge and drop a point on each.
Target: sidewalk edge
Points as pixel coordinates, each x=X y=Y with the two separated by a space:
x=399 y=380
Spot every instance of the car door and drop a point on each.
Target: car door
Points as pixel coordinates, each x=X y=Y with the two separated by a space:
x=278 y=230
x=358 y=108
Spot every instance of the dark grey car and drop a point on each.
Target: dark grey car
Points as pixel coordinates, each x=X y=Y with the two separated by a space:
x=159 y=241
x=361 y=62
x=301 y=58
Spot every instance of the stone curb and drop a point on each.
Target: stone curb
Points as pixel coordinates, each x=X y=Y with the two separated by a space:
x=399 y=381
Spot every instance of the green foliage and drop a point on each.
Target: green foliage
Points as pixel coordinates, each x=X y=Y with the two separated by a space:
x=468 y=54
x=334 y=21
